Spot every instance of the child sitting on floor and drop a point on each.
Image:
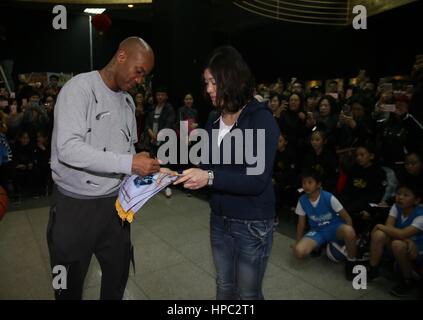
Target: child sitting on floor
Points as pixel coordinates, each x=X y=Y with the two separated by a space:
x=327 y=219
x=403 y=235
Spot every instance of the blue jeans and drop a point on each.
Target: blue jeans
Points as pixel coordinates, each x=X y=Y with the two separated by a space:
x=241 y=249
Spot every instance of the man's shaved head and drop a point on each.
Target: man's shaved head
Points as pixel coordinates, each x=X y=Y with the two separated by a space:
x=134 y=44
x=133 y=60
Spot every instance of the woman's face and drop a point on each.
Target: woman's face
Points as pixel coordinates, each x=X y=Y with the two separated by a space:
x=294 y=103
x=324 y=108
x=413 y=165
x=210 y=85
x=188 y=101
x=139 y=98
x=282 y=142
x=50 y=103
x=274 y=104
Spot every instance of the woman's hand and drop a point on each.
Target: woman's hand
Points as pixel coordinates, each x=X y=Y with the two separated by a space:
x=165 y=171
x=194 y=178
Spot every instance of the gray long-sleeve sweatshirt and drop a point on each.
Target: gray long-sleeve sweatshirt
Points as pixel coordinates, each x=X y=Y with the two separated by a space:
x=93 y=137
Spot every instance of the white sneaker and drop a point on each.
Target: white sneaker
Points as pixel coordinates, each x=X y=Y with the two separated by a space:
x=168 y=192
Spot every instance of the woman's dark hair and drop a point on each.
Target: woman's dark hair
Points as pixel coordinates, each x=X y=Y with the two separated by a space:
x=44 y=99
x=332 y=103
x=233 y=77
x=42 y=133
x=274 y=94
x=301 y=97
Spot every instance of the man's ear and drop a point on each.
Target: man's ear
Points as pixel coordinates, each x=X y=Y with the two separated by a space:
x=121 y=56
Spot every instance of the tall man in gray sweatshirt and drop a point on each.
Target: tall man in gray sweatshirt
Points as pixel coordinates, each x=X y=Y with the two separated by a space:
x=92 y=149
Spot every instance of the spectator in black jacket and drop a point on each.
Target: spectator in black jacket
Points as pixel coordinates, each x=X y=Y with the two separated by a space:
x=322 y=159
x=417 y=98
x=401 y=134
x=293 y=122
x=161 y=117
x=285 y=175
x=354 y=126
x=412 y=171
x=365 y=184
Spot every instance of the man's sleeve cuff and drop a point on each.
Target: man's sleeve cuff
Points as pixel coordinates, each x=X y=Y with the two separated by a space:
x=125 y=164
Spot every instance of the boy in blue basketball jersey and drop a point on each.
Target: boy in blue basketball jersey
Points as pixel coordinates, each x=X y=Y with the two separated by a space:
x=403 y=235
x=327 y=219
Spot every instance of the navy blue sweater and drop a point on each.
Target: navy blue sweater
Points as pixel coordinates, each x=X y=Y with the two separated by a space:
x=234 y=193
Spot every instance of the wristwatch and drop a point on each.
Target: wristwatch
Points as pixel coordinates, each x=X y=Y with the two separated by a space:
x=211 y=177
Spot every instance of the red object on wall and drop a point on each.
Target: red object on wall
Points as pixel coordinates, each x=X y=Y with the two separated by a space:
x=101 y=22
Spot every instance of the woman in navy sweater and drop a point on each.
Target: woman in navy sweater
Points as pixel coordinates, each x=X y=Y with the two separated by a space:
x=242 y=201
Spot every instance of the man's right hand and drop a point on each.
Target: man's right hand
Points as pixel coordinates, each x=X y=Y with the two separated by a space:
x=143 y=165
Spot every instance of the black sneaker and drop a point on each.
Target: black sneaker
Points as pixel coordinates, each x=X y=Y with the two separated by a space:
x=403 y=289
x=349 y=266
x=316 y=252
x=372 y=273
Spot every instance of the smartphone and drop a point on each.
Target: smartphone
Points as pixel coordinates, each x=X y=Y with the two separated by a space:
x=389 y=107
x=346 y=109
x=333 y=95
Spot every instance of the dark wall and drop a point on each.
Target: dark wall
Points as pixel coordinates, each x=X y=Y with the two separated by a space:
x=181 y=41
x=38 y=47
x=182 y=35
x=387 y=47
x=104 y=46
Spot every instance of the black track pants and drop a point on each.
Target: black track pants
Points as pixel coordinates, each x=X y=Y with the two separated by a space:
x=79 y=228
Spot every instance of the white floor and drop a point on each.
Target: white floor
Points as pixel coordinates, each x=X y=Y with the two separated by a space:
x=173 y=259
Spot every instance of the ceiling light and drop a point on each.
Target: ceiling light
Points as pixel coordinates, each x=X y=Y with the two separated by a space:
x=94 y=10
x=130 y=5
